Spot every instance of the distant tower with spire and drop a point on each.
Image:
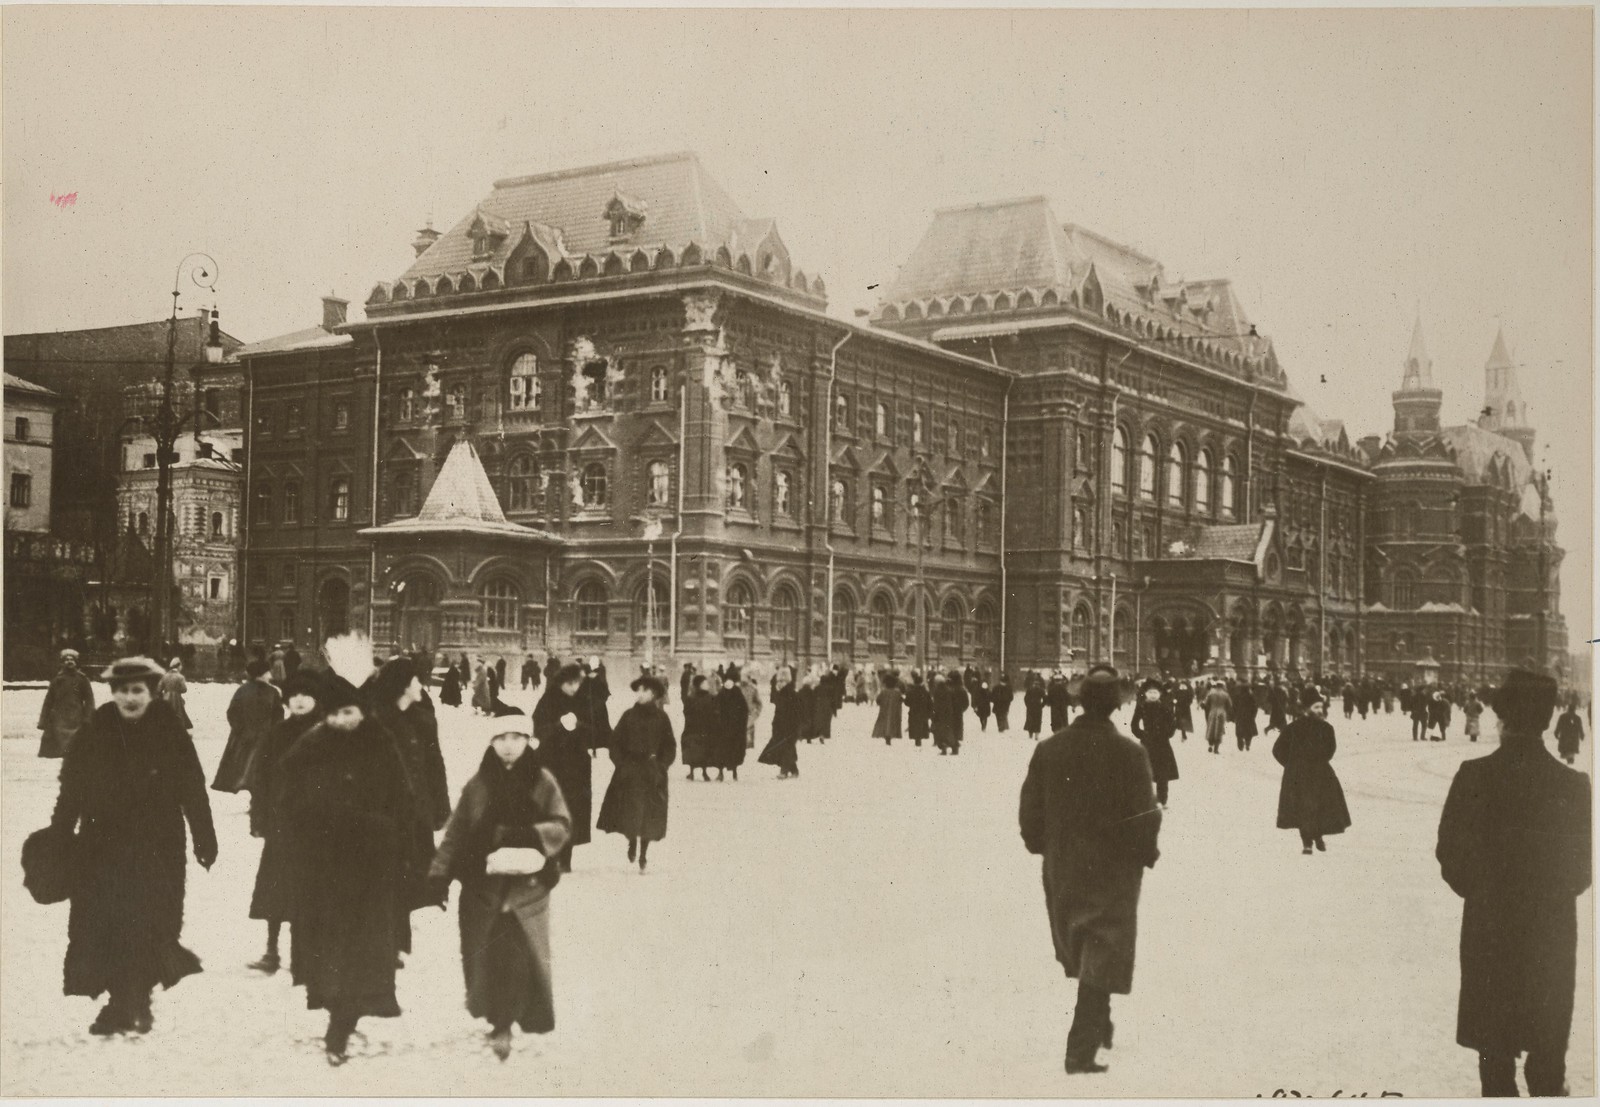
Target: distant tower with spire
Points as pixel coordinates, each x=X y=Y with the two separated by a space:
x=1416 y=404
x=1504 y=410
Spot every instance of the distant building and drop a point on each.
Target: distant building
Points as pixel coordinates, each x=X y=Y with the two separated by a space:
x=44 y=573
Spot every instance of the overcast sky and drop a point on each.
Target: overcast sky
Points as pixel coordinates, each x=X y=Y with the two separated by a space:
x=1345 y=169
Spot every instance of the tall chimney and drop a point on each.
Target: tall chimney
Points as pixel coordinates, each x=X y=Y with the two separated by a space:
x=333 y=311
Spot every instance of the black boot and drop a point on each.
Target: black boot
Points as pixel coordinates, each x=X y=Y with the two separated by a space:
x=500 y=1041
x=336 y=1042
x=270 y=963
x=112 y=1019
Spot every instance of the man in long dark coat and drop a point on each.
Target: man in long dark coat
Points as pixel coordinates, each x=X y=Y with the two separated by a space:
x=67 y=706
x=733 y=712
x=1088 y=807
x=559 y=724
x=1058 y=699
x=1000 y=697
x=919 y=709
x=129 y=782
x=959 y=702
x=1244 y=715
x=1033 y=706
x=1514 y=843
x=255 y=709
x=596 y=695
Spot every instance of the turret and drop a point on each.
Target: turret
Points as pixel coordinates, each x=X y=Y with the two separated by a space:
x=1504 y=410
x=1416 y=404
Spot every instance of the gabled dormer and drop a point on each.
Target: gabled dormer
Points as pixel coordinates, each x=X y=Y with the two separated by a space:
x=487 y=233
x=626 y=215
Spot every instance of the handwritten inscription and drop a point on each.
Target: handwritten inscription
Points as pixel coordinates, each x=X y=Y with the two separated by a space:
x=64 y=200
x=1289 y=1093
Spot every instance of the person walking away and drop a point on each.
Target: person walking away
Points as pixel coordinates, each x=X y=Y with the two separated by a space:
x=1310 y=799
x=450 y=687
x=503 y=843
x=1183 y=707
x=750 y=688
x=1218 y=706
x=500 y=673
x=1000 y=697
x=1569 y=732
x=1277 y=706
x=806 y=703
x=1033 y=706
x=68 y=705
x=699 y=725
x=1088 y=808
x=278 y=665
x=347 y=813
x=732 y=718
x=1347 y=696
x=919 y=709
x=1472 y=712
x=642 y=749
x=130 y=780
x=685 y=683
x=269 y=901
x=942 y=714
x=1439 y=714
x=1514 y=844
x=1244 y=716
x=530 y=673
x=1419 y=715
x=172 y=690
x=562 y=745
x=481 y=698
x=958 y=710
x=887 y=725
x=822 y=707
x=981 y=703
x=1153 y=724
x=255 y=709
x=1058 y=698
x=780 y=749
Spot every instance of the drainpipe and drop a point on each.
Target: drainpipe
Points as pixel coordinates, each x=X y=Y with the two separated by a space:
x=1005 y=426
x=1322 y=577
x=372 y=563
x=827 y=473
x=244 y=514
x=672 y=563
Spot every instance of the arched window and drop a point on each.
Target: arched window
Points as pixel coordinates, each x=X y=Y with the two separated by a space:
x=879 y=618
x=1080 y=628
x=660 y=484
x=738 y=475
x=782 y=493
x=522 y=482
x=1122 y=631
x=953 y=436
x=986 y=444
x=1080 y=528
x=985 y=522
x=658 y=384
x=839 y=502
x=594 y=485
x=339 y=499
x=1177 y=462
x=216 y=524
x=737 y=610
x=950 y=622
x=144 y=516
x=523 y=392
x=785 y=623
x=880 y=506
x=841 y=414
x=953 y=520
x=591 y=608
x=1119 y=461
x=1202 y=483
x=501 y=602
x=1405 y=589
x=844 y=616
x=916 y=428
x=1228 y=490
x=1147 y=468
x=881 y=421
x=985 y=630
x=785 y=398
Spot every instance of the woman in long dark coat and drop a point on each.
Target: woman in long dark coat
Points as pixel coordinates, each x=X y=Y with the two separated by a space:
x=642 y=748
x=1183 y=708
x=1154 y=725
x=450 y=688
x=887 y=725
x=733 y=712
x=942 y=717
x=563 y=748
x=349 y=815
x=1310 y=799
x=597 y=693
x=958 y=710
x=806 y=697
x=780 y=749
x=1057 y=696
x=699 y=727
x=1033 y=706
x=511 y=803
x=129 y=782
x=823 y=705
x=981 y=705
x=270 y=900
x=1244 y=716
x=254 y=710
x=919 y=709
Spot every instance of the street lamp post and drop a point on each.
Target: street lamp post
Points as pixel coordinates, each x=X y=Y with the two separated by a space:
x=652 y=531
x=166 y=436
x=1541 y=481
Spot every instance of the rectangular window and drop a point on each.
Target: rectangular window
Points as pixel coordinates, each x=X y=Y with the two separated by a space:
x=149 y=461
x=24 y=428
x=215 y=590
x=456 y=398
x=286 y=625
x=296 y=418
x=289 y=573
x=291 y=503
x=339 y=499
x=407 y=400
x=341 y=416
x=238 y=455
x=21 y=489
x=213 y=404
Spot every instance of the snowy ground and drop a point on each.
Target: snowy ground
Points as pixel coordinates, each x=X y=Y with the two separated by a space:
x=874 y=928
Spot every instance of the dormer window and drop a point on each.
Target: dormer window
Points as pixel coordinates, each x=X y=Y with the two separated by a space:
x=625 y=215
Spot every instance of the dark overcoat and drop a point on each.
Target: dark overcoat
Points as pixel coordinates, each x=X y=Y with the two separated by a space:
x=919 y=710
x=596 y=693
x=805 y=702
x=416 y=735
x=958 y=711
x=68 y=703
x=642 y=748
x=780 y=749
x=1033 y=708
x=1310 y=799
x=1057 y=696
x=942 y=717
x=450 y=687
x=888 y=722
x=1153 y=724
x=824 y=702
x=1244 y=712
x=1514 y=843
x=1000 y=696
x=270 y=899
x=733 y=712
x=348 y=816
x=472 y=833
x=566 y=754
x=699 y=729
x=254 y=710
x=128 y=788
x=1569 y=734
x=1088 y=807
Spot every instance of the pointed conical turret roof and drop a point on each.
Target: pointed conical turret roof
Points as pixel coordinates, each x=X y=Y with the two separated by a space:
x=1499 y=357
x=1419 y=366
x=462 y=501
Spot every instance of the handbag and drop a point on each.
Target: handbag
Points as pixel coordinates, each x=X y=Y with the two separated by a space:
x=514 y=861
x=50 y=864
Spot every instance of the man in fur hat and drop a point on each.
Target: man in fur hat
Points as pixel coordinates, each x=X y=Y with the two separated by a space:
x=1089 y=808
x=67 y=707
x=1514 y=843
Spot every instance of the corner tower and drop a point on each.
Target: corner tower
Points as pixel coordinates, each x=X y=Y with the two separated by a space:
x=1504 y=410
x=1416 y=404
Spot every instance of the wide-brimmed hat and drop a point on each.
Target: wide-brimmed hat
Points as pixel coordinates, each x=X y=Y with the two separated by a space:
x=129 y=669
x=652 y=682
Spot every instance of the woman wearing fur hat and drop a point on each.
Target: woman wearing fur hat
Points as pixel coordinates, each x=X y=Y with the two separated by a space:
x=563 y=749
x=780 y=749
x=254 y=710
x=129 y=782
x=732 y=715
x=270 y=900
x=1310 y=799
x=1153 y=724
x=887 y=726
x=699 y=726
x=350 y=818
x=503 y=843
x=643 y=749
